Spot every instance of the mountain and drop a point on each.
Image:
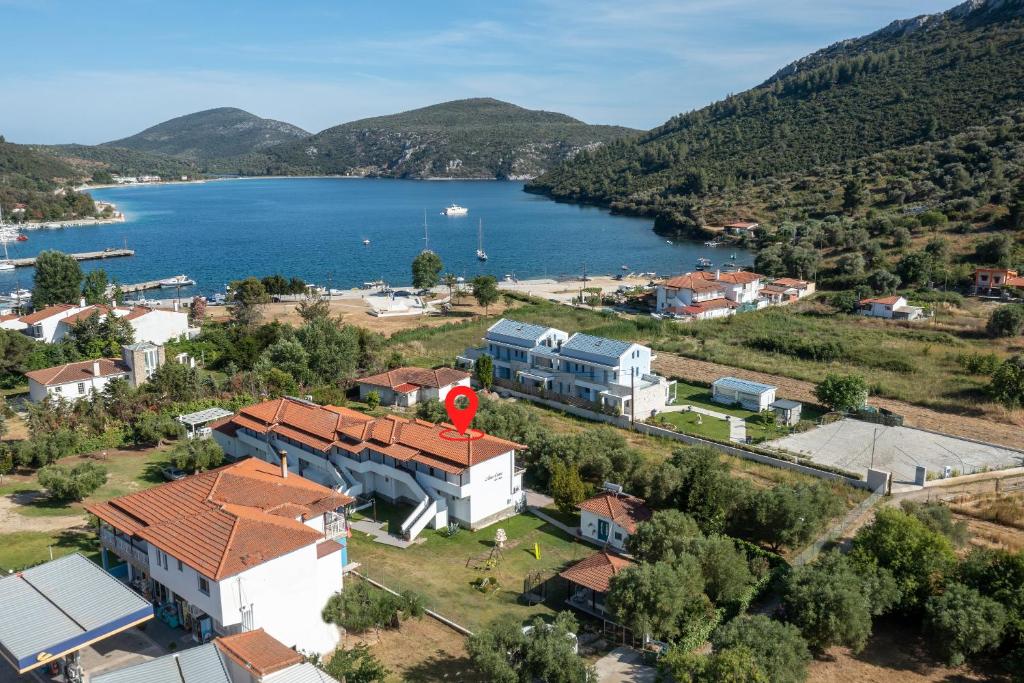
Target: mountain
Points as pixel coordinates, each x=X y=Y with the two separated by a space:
x=90 y=159
x=473 y=138
x=35 y=180
x=914 y=82
x=211 y=134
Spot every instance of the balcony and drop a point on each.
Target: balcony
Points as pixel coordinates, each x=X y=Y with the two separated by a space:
x=124 y=549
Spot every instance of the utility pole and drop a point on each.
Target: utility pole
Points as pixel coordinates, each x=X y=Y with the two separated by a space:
x=632 y=398
x=873 y=440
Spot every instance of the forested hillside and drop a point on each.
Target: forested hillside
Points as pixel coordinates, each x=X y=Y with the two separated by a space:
x=211 y=134
x=915 y=81
x=98 y=159
x=35 y=180
x=475 y=138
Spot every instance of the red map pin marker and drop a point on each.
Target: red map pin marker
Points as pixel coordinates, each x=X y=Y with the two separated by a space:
x=461 y=417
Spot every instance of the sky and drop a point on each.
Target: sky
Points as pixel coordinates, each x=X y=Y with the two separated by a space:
x=90 y=72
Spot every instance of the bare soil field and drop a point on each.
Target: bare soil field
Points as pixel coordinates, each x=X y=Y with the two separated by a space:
x=994 y=520
x=892 y=656
x=421 y=651
x=1010 y=433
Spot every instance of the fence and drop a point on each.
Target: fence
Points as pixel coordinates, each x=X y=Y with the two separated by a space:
x=835 y=531
x=428 y=610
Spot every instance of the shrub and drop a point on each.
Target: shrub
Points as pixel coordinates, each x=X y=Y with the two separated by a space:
x=75 y=484
x=1006 y=321
x=962 y=621
x=842 y=392
x=195 y=455
x=373 y=400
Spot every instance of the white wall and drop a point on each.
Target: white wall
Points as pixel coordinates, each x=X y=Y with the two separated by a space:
x=37 y=392
x=490 y=486
x=159 y=327
x=617 y=536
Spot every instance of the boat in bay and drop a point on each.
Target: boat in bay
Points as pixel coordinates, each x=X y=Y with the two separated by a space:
x=454 y=210
x=480 y=253
x=177 y=281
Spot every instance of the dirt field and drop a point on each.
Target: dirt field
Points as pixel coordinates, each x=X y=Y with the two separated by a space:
x=1009 y=434
x=421 y=651
x=994 y=520
x=891 y=656
x=356 y=312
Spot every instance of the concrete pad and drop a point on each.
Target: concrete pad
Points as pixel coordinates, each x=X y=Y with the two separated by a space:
x=848 y=444
x=622 y=665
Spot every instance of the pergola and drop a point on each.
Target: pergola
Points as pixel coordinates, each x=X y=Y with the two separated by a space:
x=196 y=421
x=57 y=608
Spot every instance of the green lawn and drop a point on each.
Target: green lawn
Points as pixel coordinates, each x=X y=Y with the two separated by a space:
x=698 y=425
x=442 y=569
x=27 y=548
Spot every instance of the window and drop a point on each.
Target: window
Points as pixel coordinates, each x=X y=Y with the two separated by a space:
x=81 y=387
x=165 y=560
x=181 y=567
x=204 y=585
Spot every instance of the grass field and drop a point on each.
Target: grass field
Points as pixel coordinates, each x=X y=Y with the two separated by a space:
x=914 y=362
x=443 y=569
x=24 y=548
x=698 y=425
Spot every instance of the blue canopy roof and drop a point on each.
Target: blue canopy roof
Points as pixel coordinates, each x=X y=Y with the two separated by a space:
x=201 y=664
x=742 y=385
x=525 y=333
x=581 y=345
x=60 y=607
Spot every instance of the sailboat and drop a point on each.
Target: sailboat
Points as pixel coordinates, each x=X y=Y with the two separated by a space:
x=426 y=234
x=7 y=234
x=480 y=253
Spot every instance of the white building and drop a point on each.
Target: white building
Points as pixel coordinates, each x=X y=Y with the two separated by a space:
x=53 y=323
x=704 y=295
x=891 y=307
x=595 y=372
x=473 y=483
x=611 y=517
x=751 y=395
x=234 y=549
x=409 y=386
x=74 y=381
x=786 y=290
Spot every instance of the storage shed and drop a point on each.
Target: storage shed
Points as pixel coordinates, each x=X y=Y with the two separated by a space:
x=751 y=395
x=787 y=412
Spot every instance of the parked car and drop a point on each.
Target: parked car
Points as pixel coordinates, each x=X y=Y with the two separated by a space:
x=172 y=473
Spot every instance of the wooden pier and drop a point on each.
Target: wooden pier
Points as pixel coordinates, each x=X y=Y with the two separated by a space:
x=83 y=256
x=142 y=286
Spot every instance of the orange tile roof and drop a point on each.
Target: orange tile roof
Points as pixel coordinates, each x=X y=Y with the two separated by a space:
x=9 y=316
x=226 y=520
x=739 y=277
x=136 y=312
x=49 y=311
x=888 y=301
x=77 y=372
x=698 y=282
x=626 y=511
x=323 y=427
x=596 y=571
x=85 y=313
x=1013 y=281
x=417 y=377
x=259 y=652
x=327 y=548
x=703 y=306
x=791 y=282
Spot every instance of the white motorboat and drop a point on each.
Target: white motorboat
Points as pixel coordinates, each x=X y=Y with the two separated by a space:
x=454 y=210
x=20 y=294
x=480 y=253
x=7 y=234
x=366 y=242
x=177 y=281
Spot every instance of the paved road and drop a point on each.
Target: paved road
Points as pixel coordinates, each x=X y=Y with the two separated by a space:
x=624 y=664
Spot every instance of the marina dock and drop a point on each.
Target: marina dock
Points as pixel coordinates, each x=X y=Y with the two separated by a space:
x=143 y=286
x=82 y=256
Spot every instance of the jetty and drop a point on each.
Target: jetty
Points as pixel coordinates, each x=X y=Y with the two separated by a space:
x=143 y=286
x=81 y=256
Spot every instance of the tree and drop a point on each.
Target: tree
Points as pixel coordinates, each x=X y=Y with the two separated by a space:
x=451 y=282
x=996 y=250
x=75 y=484
x=1006 y=321
x=779 y=649
x=724 y=567
x=882 y=281
x=938 y=517
x=485 y=291
x=360 y=608
x=196 y=455
x=706 y=492
x=6 y=462
x=918 y=557
x=786 y=515
x=842 y=392
x=197 y=310
x=175 y=382
x=483 y=370
x=999 y=574
x=664 y=600
x=58 y=279
x=426 y=270
x=94 y=288
x=311 y=308
x=150 y=428
x=1007 y=385
x=245 y=299
x=333 y=351
x=567 y=487
x=828 y=602
x=373 y=400
x=915 y=268
x=357 y=665
x=668 y=534
x=288 y=356
x=505 y=652
x=961 y=622
x=853 y=195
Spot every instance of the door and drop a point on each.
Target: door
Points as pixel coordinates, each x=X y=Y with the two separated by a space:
x=602 y=530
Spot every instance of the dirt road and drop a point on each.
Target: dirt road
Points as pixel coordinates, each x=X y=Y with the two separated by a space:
x=914 y=416
x=11 y=520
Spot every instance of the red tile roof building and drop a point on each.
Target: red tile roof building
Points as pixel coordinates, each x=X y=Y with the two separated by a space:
x=409 y=386
x=258 y=653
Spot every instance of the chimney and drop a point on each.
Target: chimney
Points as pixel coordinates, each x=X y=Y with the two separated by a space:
x=175 y=305
x=718 y=274
x=95 y=368
x=81 y=302
x=283 y=454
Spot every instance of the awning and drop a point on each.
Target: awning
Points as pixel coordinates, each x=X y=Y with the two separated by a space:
x=60 y=607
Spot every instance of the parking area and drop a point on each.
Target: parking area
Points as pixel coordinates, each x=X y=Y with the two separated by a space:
x=853 y=445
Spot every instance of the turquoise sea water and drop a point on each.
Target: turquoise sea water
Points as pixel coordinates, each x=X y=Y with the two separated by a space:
x=313 y=228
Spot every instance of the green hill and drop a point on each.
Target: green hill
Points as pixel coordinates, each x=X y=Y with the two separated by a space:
x=35 y=180
x=915 y=81
x=211 y=134
x=474 y=138
x=89 y=159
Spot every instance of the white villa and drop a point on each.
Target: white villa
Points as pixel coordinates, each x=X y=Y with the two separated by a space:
x=605 y=373
x=53 y=323
x=408 y=386
x=472 y=483
x=891 y=307
x=610 y=517
x=704 y=295
x=234 y=549
x=73 y=381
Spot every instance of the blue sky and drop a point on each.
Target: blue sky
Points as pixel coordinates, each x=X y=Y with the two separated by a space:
x=95 y=71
